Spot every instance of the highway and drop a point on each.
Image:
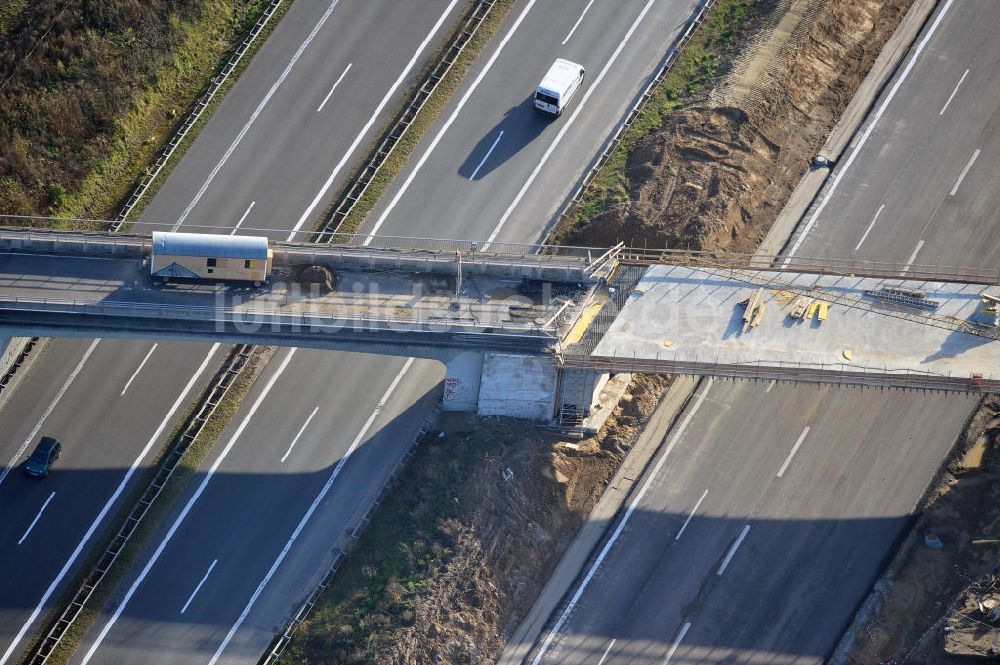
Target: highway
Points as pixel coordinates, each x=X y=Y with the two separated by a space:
x=237 y=584
x=770 y=509
x=75 y=395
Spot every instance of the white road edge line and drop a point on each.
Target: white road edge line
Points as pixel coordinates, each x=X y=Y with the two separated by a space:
x=795 y=449
x=913 y=257
x=187 y=509
x=680 y=638
x=37 y=517
x=770 y=386
x=138 y=369
x=107 y=507
x=240 y=223
x=607 y=651
x=48 y=411
x=198 y=588
x=488 y=153
x=569 y=123
x=335 y=84
x=577 y=25
x=371 y=121
x=732 y=550
x=691 y=516
x=871 y=127
x=312 y=509
x=451 y=119
x=953 y=92
x=253 y=116
x=297 y=436
x=621 y=525
x=961 y=176
x=870 y=226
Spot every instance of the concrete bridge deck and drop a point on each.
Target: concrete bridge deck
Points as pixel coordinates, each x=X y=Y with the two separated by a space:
x=679 y=318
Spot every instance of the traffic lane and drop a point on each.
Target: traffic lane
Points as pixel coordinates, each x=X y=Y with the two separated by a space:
x=436 y=191
x=281 y=161
x=696 y=506
x=904 y=173
x=99 y=446
x=253 y=504
x=815 y=543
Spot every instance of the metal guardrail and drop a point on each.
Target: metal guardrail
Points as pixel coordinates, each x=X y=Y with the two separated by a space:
x=194 y=115
x=238 y=360
x=328 y=233
x=487 y=317
x=826 y=373
x=280 y=643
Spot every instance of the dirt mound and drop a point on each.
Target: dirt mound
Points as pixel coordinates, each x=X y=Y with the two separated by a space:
x=309 y=276
x=716 y=177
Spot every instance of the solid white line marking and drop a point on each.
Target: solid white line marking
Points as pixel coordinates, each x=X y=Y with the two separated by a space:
x=139 y=369
x=607 y=651
x=621 y=526
x=680 y=637
x=691 y=516
x=869 y=229
x=48 y=411
x=795 y=448
x=451 y=119
x=198 y=588
x=37 y=517
x=569 y=123
x=371 y=121
x=253 y=116
x=336 y=83
x=301 y=430
x=961 y=176
x=312 y=509
x=107 y=507
x=187 y=509
x=240 y=223
x=770 y=386
x=871 y=126
x=952 y=95
x=577 y=24
x=913 y=256
x=732 y=550
x=488 y=153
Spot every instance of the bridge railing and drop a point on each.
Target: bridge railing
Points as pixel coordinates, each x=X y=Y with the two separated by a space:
x=989 y=275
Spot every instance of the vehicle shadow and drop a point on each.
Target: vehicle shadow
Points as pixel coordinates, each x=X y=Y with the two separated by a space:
x=520 y=126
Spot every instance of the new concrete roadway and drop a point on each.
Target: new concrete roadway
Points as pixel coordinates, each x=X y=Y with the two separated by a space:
x=249 y=539
x=767 y=515
x=284 y=127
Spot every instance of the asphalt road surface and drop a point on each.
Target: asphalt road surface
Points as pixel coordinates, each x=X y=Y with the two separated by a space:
x=271 y=135
x=766 y=516
x=243 y=582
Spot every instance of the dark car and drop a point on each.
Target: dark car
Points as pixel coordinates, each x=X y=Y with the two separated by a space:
x=46 y=452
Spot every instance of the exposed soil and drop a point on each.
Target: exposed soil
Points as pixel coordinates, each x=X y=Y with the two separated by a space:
x=927 y=589
x=469 y=534
x=718 y=172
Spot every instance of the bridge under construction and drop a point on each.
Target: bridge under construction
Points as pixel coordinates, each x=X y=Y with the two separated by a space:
x=530 y=330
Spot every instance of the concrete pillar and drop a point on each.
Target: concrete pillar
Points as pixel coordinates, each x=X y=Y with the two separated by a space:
x=461 y=381
x=518 y=386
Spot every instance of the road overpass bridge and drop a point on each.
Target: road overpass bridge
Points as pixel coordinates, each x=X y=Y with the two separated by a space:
x=527 y=330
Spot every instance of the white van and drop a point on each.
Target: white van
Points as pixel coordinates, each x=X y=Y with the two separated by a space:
x=561 y=82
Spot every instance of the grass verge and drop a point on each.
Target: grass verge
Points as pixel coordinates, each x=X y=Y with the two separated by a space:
x=156 y=515
x=422 y=123
x=92 y=96
x=696 y=66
